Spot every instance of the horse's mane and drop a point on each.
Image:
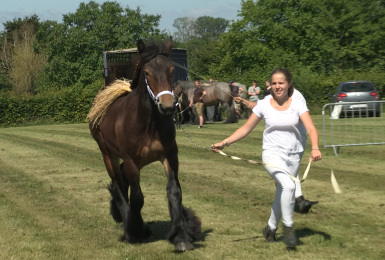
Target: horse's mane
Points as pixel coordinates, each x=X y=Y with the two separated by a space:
x=152 y=49
x=104 y=99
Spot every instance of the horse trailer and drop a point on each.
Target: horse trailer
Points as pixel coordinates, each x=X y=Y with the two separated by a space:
x=121 y=64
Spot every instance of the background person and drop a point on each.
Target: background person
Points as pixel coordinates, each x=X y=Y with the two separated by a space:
x=236 y=91
x=267 y=89
x=254 y=92
x=197 y=101
x=282 y=148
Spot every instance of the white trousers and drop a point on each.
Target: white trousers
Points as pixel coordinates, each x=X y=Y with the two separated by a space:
x=279 y=165
x=298 y=189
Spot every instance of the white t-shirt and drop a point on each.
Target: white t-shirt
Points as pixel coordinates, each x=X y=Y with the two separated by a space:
x=298 y=96
x=282 y=128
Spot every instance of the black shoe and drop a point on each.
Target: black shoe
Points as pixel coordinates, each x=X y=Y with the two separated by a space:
x=303 y=205
x=269 y=234
x=289 y=237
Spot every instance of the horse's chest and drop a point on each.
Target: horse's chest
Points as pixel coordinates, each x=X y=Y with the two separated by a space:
x=151 y=151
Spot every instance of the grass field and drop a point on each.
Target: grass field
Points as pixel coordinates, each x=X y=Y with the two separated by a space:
x=54 y=203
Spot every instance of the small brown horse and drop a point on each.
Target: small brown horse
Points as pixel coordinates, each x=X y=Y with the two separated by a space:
x=137 y=127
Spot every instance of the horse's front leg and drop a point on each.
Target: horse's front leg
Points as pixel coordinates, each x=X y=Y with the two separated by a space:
x=185 y=225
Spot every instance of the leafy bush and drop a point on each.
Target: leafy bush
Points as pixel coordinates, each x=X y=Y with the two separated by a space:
x=67 y=105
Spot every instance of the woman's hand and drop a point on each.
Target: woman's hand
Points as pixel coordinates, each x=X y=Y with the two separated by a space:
x=238 y=100
x=219 y=146
x=315 y=155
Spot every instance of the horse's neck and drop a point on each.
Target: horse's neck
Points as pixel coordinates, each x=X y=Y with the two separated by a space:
x=141 y=92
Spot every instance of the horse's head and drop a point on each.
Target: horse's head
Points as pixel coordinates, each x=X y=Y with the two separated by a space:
x=158 y=70
x=177 y=89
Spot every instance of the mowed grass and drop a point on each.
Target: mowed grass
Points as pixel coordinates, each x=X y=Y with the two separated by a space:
x=54 y=203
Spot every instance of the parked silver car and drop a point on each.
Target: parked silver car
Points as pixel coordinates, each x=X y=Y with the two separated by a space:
x=359 y=92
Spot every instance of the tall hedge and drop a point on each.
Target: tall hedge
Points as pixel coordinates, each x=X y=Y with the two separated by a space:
x=67 y=105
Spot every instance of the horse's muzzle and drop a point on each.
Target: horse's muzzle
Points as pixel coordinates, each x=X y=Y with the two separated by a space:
x=166 y=105
x=166 y=110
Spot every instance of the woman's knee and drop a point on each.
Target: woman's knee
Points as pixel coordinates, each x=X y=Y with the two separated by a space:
x=288 y=185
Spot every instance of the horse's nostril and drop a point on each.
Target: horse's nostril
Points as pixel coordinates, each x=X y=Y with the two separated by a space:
x=166 y=110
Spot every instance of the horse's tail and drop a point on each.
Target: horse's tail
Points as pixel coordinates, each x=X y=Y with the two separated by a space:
x=104 y=99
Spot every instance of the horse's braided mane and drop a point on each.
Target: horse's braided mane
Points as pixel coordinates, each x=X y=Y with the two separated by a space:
x=105 y=98
x=152 y=50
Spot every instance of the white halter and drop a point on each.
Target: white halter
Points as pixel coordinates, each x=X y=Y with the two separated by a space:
x=156 y=98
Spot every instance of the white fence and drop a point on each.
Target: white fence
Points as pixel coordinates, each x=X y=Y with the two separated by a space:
x=359 y=126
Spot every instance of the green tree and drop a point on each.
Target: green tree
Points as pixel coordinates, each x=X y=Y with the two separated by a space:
x=209 y=27
x=200 y=37
x=21 y=63
x=26 y=62
x=317 y=37
x=185 y=29
x=75 y=46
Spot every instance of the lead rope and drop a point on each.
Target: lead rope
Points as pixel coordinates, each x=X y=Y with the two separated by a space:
x=333 y=179
x=334 y=182
x=295 y=179
x=192 y=141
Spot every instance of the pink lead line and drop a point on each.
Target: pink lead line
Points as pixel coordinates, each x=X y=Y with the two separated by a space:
x=334 y=182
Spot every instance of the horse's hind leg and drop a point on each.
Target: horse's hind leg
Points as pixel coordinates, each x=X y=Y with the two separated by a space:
x=119 y=207
x=116 y=194
x=114 y=204
x=118 y=188
x=185 y=225
x=135 y=226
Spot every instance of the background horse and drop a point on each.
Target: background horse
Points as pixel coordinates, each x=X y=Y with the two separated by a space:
x=137 y=127
x=217 y=93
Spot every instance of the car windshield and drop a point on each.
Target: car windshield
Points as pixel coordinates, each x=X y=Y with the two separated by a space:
x=357 y=87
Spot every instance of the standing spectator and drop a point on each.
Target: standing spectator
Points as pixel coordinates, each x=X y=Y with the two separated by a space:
x=282 y=148
x=267 y=90
x=197 y=101
x=253 y=92
x=236 y=90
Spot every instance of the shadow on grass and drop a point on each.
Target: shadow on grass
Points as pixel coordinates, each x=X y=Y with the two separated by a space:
x=248 y=238
x=301 y=233
x=306 y=232
x=158 y=230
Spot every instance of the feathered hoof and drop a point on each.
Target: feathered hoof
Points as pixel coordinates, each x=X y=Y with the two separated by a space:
x=123 y=238
x=183 y=246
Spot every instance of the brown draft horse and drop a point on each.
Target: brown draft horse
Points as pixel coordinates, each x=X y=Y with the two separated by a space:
x=137 y=127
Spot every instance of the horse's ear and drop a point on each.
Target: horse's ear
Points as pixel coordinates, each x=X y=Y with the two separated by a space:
x=168 y=46
x=141 y=46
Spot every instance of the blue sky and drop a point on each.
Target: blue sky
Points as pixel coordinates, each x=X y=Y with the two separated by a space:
x=168 y=9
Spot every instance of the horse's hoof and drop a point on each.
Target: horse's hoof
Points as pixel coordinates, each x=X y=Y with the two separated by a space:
x=123 y=238
x=184 y=246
